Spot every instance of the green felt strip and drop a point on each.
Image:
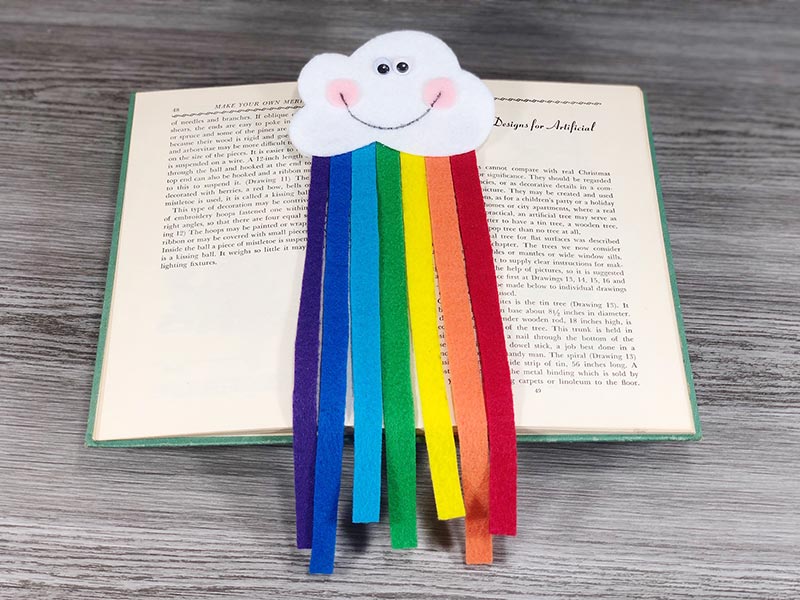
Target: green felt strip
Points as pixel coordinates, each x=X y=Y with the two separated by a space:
x=398 y=399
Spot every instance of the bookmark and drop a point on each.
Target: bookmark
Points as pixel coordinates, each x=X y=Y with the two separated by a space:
x=400 y=120
x=333 y=367
x=306 y=353
x=436 y=417
x=366 y=336
x=497 y=392
x=462 y=354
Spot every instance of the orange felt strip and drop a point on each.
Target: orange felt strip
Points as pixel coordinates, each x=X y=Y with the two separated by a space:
x=495 y=371
x=465 y=373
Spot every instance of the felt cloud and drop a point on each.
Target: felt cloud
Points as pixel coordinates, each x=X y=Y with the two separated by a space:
x=404 y=89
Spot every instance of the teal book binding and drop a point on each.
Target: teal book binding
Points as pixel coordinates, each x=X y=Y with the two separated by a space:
x=218 y=440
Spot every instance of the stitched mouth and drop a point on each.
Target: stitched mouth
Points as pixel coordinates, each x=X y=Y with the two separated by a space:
x=389 y=127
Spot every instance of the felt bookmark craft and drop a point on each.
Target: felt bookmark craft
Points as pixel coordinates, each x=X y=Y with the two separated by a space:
x=306 y=354
x=377 y=114
x=462 y=354
x=496 y=373
x=333 y=367
x=398 y=398
x=437 y=422
x=366 y=337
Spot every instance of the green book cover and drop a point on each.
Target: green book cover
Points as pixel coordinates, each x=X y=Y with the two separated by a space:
x=286 y=439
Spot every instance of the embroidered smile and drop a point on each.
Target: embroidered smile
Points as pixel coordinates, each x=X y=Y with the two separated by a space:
x=385 y=127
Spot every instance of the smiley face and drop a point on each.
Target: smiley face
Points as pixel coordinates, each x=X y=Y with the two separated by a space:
x=404 y=89
x=439 y=93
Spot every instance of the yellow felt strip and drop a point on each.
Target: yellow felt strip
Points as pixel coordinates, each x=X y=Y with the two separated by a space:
x=425 y=337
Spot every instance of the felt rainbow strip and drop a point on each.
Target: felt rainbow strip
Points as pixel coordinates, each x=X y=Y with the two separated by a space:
x=425 y=336
x=366 y=332
x=499 y=400
x=306 y=353
x=462 y=354
x=389 y=215
x=398 y=398
x=333 y=367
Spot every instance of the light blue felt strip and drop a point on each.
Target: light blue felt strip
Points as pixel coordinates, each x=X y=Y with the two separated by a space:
x=333 y=367
x=366 y=341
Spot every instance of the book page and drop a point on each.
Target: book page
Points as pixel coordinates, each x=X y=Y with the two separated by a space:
x=210 y=253
x=587 y=304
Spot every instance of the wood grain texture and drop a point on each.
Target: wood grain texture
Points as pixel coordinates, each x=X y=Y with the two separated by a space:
x=715 y=519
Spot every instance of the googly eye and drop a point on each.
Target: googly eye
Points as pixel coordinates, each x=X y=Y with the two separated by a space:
x=383 y=66
x=402 y=67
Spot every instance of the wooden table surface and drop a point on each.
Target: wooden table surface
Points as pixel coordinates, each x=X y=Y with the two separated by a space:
x=714 y=519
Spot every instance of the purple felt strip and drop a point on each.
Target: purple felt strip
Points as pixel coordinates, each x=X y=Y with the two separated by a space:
x=306 y=354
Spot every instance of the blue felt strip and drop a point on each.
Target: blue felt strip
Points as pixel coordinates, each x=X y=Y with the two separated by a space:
x=366 y=344
x=306 y=354
x=333 y=370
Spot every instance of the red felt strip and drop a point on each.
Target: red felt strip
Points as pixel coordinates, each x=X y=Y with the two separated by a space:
x=482 y=282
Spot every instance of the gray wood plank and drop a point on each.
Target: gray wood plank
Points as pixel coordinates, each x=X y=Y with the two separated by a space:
x=716 y=519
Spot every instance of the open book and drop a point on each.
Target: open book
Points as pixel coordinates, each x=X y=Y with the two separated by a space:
x=197 y=335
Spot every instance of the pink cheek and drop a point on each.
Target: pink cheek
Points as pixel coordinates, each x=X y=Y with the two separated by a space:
x=440 y=91
x=342 y=92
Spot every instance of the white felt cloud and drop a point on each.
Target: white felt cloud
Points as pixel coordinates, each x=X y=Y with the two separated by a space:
x=404 y=89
